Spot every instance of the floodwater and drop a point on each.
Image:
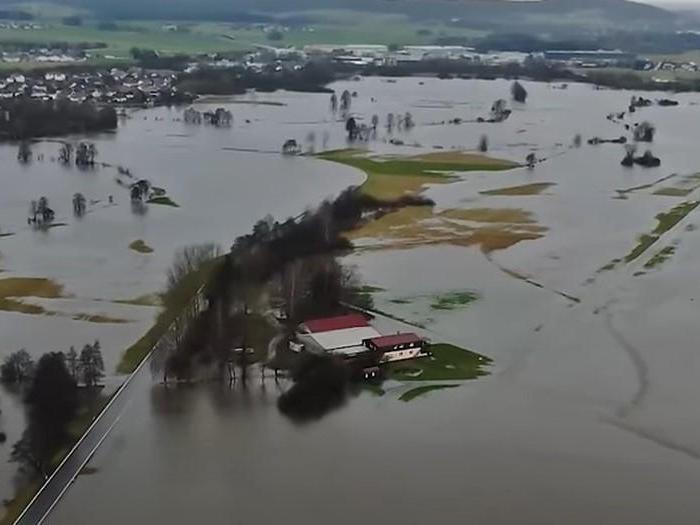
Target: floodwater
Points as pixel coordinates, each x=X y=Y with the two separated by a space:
x=589 y=415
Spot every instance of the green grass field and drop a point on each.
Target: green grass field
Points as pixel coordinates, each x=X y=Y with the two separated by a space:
x=197 y=37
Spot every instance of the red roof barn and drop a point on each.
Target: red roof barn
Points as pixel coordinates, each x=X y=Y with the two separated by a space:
x=330 y=324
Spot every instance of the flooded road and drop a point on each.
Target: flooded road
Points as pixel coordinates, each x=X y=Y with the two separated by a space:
x=589 y=413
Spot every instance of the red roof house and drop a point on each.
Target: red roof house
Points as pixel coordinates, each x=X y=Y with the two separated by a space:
x=392 y=342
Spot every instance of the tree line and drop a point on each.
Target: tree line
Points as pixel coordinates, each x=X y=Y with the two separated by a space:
x=52 y=398
x=26 y=118
x=294 y=260
x=312 y=78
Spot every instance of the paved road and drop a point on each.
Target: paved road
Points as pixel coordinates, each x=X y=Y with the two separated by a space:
x=61 y=479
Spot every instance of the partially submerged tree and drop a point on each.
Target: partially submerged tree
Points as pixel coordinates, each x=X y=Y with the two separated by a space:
x=390 y=122
x=24 y=152
x=345 y=101
x=518 y=92
x=499 y=111
x=72 y=363
x=352 y=128
x=644 y=132
x=91 y=364
x=531 y=160
x=630 y=150
x=52 y=404
x=65 y=153
x=85 y=154
x=79 y=204
x=17 y=367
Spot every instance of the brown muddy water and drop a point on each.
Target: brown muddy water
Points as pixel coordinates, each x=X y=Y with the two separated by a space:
x=589 y=415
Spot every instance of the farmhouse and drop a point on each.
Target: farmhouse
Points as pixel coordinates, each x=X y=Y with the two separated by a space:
x=354 y=338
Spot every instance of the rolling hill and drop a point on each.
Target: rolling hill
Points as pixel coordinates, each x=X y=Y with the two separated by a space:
x=502 y=15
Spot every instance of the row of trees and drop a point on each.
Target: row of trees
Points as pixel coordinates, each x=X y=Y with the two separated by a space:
x=311 y=78
x=84 y=154
x=345 y=101
x=294 y=260
x=26 y=118
x=87 y=367
x=364 y=132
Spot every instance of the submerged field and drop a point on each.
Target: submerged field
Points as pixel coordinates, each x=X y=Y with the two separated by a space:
x=600 y=366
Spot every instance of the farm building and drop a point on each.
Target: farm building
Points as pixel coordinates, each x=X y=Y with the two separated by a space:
x=353 y=337
x=397 y=347
x=342 y=335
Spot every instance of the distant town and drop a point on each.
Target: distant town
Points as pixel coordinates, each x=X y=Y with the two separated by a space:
x=144 y=86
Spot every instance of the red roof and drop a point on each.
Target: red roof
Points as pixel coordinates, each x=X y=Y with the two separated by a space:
x=393 y=340
x=336 y=323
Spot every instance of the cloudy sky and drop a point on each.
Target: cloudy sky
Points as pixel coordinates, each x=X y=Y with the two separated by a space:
x=673 y=2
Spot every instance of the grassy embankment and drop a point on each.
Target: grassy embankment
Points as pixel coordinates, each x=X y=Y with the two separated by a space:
x=666 y=221
x=173 y=303
x=394 y=177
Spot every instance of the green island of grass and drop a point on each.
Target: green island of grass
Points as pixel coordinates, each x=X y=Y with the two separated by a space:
x=671 y=191
x=12 y=290
x=666 y=221
x=453 y=300
x=660 y=257
x=163 y=201
x=447 y=363
x=535 y=188
x=422 y=391
x=391 y=177
x=140 y=246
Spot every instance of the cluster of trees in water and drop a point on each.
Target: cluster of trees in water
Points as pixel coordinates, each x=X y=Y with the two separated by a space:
x=24 y=118
x=295 y=258
x=52 y=394
x=83 y=154
x=220 y=117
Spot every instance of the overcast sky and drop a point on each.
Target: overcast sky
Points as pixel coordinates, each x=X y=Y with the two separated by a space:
x=672 y=2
